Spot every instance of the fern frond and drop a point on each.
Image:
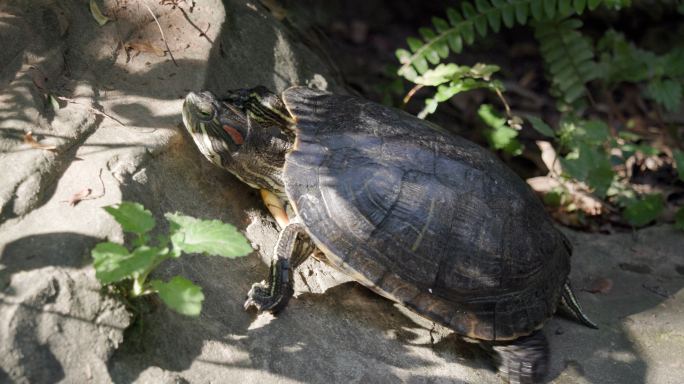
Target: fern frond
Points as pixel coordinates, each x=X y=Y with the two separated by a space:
x=485 y=14
x=569 y=56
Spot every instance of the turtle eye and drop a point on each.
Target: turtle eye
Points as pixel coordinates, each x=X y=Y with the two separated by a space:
x=204 y=113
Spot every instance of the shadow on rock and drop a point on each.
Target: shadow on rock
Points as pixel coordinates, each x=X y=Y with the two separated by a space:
x=63 y=249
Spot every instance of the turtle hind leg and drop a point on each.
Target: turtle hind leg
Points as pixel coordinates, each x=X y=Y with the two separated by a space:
x=289 y=253
x=569 y=301
x=524 y=360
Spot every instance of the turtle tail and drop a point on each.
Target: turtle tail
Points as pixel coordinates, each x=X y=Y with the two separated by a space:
x=569 y=301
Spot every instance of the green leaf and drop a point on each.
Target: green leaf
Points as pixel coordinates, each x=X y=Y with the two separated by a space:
x=454 y=17
x=468 y=11
x=427 y=33
x=667 y=93
x=441 y=74
x=403 y=55
x=550 y=8
x=500 y=136
x=644 y=211
x=591 y=166
x=630 y=136
x=181 y=295
x=53 y=101
x=494 y=18
x=679 y=219
x=557 y=196
x=541 y=126
x=455 y=42
x=508 y=15
x=468 y=33
x=113 y=262
x=679 y=162
x=440 y=24
x=593 y=4
x=133 y=217
x=414 y=43
x=482 y=6
x=579 y=6
x=631 y=148
x=521 y=13
x=537 y=10
x=491 y=117
x=421 y=64
x=214 y=237
x=595 y=131
x=564 y=7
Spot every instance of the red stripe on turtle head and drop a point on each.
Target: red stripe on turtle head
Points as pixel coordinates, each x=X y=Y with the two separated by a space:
x=234 y=134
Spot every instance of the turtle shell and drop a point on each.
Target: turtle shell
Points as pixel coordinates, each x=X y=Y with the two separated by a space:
x=423 y=217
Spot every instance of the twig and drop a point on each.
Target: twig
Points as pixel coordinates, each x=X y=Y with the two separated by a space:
x=74 y=202
x=410 y=94
x=162 y=33
x=91 y=109
x=123 y=46
x=508 y=109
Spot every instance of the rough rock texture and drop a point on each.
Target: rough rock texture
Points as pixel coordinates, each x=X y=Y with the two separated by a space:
x=57 y=326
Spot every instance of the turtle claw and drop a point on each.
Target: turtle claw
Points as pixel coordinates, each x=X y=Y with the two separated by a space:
x=260 y=297
x=257 y=291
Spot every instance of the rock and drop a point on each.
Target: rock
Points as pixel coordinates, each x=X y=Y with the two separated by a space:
x=56 y=325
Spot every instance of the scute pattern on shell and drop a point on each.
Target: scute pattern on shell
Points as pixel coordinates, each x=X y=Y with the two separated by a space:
x=423 y=217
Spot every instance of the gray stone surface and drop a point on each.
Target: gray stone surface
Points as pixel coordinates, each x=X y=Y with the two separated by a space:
x=56 y=326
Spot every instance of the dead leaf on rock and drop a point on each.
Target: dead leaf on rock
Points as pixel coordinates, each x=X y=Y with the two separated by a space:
x=145 y=47
x=80 y=195
x=99 y=17
x=603 y=287
x=84 y=193
x=34 y=144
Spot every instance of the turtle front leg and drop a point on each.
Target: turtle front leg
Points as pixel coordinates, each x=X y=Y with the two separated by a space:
x=291 y=250
x=524 y=360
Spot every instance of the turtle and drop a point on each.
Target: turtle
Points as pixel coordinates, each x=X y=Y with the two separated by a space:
x=415 y=213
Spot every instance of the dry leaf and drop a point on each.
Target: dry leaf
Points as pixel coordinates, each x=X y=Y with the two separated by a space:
x=80 y=195
x=34 y=144
x=145 y=47
x=99 y=17
x=54 y=102
x=603 y=287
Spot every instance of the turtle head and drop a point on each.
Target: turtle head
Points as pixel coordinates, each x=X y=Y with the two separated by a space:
x=234 y=141
x=219 y=129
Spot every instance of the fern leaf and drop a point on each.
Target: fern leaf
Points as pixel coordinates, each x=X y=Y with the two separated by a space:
x=579 y=6
x=480 y=15
x=441 y=25
x=537 y=10
x=667 y=93
x=494 y=19
x=482 y=6
x=564 y=6
x=521 y=13
x=454 y=17
x=550 y=8
x=508 y=16
x=455 y=42
x=593 y=4
x=569 y=56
